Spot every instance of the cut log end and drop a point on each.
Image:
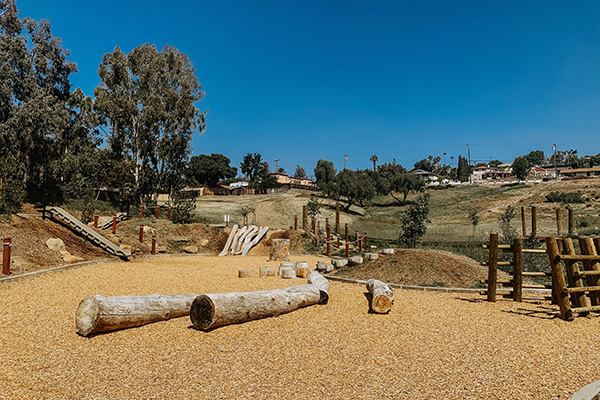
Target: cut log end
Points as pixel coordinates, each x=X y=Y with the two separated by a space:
x=87 y=316
x=381 y=304
x=202 y=312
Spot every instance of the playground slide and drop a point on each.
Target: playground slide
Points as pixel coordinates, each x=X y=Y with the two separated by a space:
x=87 y=232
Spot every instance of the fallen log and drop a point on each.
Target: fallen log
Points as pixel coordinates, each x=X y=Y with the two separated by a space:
x=237 y=236
x=382 y=300
x=245 y=238
x=229 y=240
x=210 y=311
x=97 y=314
x=262 y=232
x=314 y=278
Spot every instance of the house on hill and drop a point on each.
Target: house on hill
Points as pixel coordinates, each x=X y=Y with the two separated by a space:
x=581 y=172
x=299 y=183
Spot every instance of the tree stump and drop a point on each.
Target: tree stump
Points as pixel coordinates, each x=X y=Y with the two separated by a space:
x=267 y=271
x=382 y=300
x=339 y=262
x=210 y=311
x=371 y=256
x=245 y=273
x=387 y=251
x=280 y=250
x=302 y=272
x=287 y=272
x=286 y=265
x=97 y=314
x=314 y=278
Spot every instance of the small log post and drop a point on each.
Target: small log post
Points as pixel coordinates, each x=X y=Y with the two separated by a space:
x=573 y=278
x=302 y=272
x=153 y=251
x=114 y=224
x=358 y=242
x=157 y=214
x=523 y=221
x=280 y=250
x=365 y=241
x=141 y=233
x=6 y=249
x=347 y=249
x=141 y=211
x=346 y=233
x=304 y=218
x=327 y=238
x=571 y=223
x=587 y=248
x=337 y=217
x=267 y=271
x=245 y=273
x=209 y=311
x=287 y=272
x=97 y=314
x=96 y=220
x=558 y=279
x=295 y=222
x=518 y=269
x=383 y=296
x=314 y=278
x=534 y=221
x=492 y=268
x=558 y=222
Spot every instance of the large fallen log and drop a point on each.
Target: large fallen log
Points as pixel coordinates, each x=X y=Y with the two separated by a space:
x=209 y=311
x=254 y=241
x=229 y=240
x=245 y=238
x=383 y=296
x=314 y=278
x=97 y=314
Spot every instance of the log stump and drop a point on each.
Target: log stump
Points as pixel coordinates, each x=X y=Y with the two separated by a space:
x=267 y=271
x=355 y=260
x=382 y=300
x=245 y=273
x=280 y=250
x=286 y=265
x=339 y=262
x=302 y=272
x=210 y=311
x=287 y=272
x=387 y=251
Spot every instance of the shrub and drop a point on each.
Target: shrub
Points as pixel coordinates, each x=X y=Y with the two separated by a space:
x=564 y=197
x=184 y=205
x=414 y=220
x=508 y=231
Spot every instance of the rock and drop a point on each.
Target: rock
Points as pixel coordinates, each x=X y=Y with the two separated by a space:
x=148 y=230
x=114 y=238
x=56 y=244
x=321 y=267
x=387 y=251
x=371 y=256
x=69 y=258
x=328 y=267
x=127 y=247
x=204 y=242
x=373 y=247
x=190 y=249
x=339 y=262
x=355 y=260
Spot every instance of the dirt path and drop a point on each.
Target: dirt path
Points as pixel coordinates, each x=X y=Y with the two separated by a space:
x=431 y=346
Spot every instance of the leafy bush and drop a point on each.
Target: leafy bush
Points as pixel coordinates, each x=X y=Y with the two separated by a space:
x=414 y=220
x=508 y=231
x=184 y=205
x=564 y=197
x=12 y=192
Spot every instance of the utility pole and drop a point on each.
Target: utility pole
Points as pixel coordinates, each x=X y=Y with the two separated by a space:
x=555 y=162
x=345 y=160
x=469 y=154
x=276 y=169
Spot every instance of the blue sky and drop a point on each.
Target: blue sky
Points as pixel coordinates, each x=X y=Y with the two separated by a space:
x=301 y=81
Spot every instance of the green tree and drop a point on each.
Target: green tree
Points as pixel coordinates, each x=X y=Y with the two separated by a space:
x=535 y=158
x=414 y=221
x=254 y=168
x=12 y=192
x=520 y=168
x=146 y=99
x=425 y=164
x=463 y=170
x=374 y=160
x=209 y=170
x=357 y=187
x=394 y=180
x=325 y=177
x=508 y=231
x=300 y=172
x=495 y=163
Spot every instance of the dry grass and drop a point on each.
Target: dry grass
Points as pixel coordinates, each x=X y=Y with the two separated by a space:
x=431 y=346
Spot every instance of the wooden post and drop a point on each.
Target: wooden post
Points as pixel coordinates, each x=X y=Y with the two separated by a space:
x=337 y=217
x=95 y=220
x=382 y=296
x=347 y=249
x=295 y=222
x=518 y=269
x=534 y=221
x=153 y=251
x=114 y=225
x=141 y=233
x=358 y=242
x=523 y=221
x=338 y=241
x=157 y=212
x=365 y=241
x=558 y=222
x=558 y=279
x=587 y=248
x=327 y=237
x=571 y=224
x=141 y=211
x=169 y=213
x=346 y=228
x=492 y=268
x=573 y=278
x=6 y=248
x=304 y=218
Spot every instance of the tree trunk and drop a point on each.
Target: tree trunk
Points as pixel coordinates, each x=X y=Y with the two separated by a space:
x=210 y=311
x=237 y=237
x=322 y=284
x=280 y=250
x=229 y=240
x=245 y=238
x=382 y=296
x=97 y=314
x=263 y=231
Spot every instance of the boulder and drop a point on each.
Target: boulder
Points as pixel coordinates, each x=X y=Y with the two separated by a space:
x=355 y=260
x=69 y=258
x=127 y=247
x=339 y=262
x=190 y=249
x=204 y=242
x=387 y=251
x=371 y=256
x=148 y=230
x=56 y=244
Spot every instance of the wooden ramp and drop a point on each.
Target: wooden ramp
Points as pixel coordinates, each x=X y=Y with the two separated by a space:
x=87 y=232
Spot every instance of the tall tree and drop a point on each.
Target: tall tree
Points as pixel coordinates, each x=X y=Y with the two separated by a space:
x=147 y=101
x=34 y=90
x=209 y=170
x=357 y=187
x=299 y=173
x=520 y=168
x=535 y=158
x=374 y=160
x=325 y=176
x=254 y=168
x=463 y=170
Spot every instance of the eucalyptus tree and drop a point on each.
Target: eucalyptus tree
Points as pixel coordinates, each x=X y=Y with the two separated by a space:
x=146 y=102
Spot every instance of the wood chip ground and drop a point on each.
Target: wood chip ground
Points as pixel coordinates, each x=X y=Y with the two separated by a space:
x=430 y=346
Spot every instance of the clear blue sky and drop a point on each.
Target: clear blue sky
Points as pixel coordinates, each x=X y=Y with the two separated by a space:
x=303 y=80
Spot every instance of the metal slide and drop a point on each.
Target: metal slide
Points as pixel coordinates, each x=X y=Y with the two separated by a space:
x=87 y=232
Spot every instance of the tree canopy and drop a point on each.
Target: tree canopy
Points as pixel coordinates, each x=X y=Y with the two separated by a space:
x=210 y=169
x=299 y=173
x=325 y=175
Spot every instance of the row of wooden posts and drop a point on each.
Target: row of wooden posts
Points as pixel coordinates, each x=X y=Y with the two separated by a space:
x=579 y=293
x=361 y=241
x=559 y=218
